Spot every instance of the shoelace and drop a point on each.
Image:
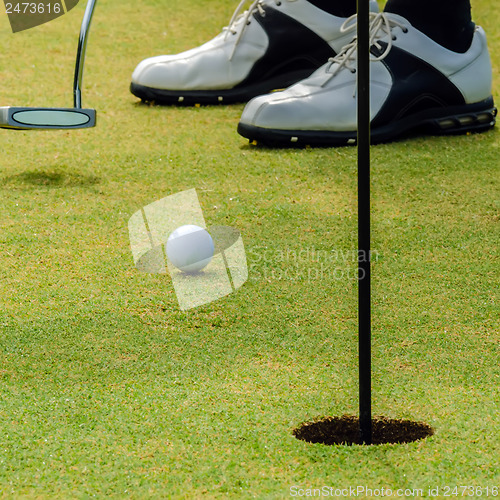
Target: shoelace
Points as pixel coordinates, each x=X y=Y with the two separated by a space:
x=256 y=5
x=380 y=25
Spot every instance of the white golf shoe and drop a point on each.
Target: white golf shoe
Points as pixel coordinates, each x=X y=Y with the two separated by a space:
x=272 y=45
x=415 y=84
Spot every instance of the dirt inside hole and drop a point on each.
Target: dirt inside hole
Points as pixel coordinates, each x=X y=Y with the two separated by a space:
x=345 y=430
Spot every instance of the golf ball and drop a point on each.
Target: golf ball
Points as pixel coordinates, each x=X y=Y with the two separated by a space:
x=190 y=248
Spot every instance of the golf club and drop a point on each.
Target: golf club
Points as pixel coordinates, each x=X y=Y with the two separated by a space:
x=27 y=118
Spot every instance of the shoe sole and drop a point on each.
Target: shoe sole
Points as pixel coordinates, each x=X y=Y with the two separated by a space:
x=227 y=96
x=476 y=117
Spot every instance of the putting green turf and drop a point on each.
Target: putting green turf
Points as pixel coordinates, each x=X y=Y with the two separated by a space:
x=109 y=390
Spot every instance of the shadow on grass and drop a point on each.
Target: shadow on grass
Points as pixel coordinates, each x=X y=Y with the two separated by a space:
x=50 y=178
x=345 y=431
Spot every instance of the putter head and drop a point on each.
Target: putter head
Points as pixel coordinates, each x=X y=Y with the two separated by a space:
x=46 y=118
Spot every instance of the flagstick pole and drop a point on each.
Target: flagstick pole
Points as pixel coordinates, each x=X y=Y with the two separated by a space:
x=364 y=282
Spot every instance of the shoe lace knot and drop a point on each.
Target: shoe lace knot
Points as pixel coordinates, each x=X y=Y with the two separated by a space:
x=242 y=20
x=381 y=26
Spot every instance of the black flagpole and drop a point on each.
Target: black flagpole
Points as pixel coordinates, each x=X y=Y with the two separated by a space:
x=364 y=288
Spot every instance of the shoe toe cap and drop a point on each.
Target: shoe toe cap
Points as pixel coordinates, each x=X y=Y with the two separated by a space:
x=313 y=111
x=254 y=109
x=279 y=111
x=158 y=72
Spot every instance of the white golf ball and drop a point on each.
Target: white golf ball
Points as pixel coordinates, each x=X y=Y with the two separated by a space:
x=190 y=248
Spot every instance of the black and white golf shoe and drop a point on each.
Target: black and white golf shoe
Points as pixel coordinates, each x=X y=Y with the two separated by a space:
x=272 y=45
x=415 y=84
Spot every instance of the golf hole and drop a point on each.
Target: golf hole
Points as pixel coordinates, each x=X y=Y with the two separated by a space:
x=345 y=431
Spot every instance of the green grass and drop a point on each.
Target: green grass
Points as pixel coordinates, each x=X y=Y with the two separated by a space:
x=109 y=390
